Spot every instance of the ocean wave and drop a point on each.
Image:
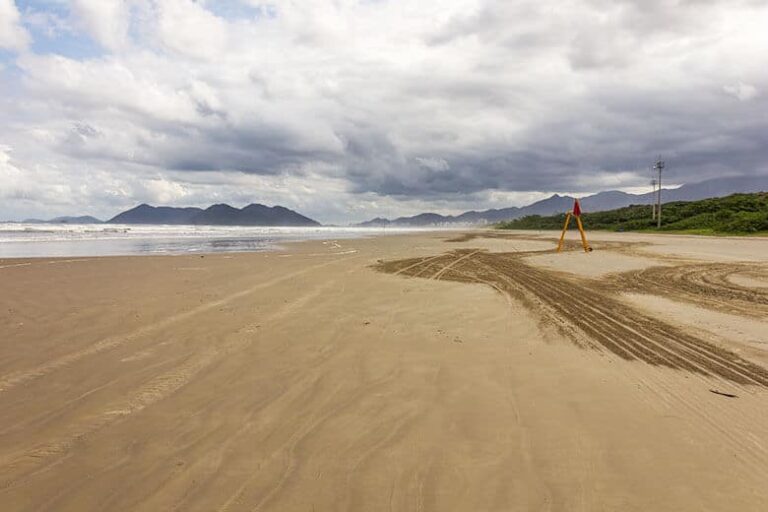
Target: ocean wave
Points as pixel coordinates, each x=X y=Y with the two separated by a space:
x=53 y=240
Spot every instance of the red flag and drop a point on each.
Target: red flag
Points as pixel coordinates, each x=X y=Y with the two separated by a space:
x=576 y=208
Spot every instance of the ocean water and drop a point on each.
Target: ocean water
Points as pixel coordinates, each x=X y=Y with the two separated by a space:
x=26 y=240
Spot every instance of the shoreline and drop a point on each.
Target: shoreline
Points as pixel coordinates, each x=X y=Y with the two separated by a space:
x=177 y=243
x=284 y=246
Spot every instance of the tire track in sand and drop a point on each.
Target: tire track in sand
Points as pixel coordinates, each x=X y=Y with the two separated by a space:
x=18 y=378
x=593 y=319
x=702 y=284
x=609 y=323
x=25 y=463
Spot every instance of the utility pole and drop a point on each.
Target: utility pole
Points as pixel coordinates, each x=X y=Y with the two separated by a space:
x=653 y=199
x=659 y=166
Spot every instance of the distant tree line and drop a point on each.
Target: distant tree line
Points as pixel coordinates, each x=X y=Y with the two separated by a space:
x=734 y=214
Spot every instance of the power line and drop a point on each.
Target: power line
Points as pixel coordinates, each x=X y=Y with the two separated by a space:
x=658 y=167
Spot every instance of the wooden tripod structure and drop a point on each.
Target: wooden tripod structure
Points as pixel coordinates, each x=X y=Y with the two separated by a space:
x=576 y=213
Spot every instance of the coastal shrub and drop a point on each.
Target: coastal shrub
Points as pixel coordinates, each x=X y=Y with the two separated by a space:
x=737 y=213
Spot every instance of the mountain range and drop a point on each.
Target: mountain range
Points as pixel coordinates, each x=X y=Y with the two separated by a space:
x=216 y=215
x=602 y=201
x=260 y=215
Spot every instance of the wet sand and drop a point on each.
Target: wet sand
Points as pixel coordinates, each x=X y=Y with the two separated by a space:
x=406 y=372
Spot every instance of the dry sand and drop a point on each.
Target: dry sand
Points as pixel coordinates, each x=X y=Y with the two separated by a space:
x=394 y=373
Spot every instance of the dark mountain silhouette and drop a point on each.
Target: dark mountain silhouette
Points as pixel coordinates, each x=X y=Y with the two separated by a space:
x=378 y=222
x=259 y=214
x=216 y=215
x=146 y=214
x=494 y=215
x=719 y=187
x=608 y=200
x=252 y=215
x=613 y=199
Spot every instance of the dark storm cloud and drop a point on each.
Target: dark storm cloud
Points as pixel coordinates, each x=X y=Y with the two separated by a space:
x=701 y=135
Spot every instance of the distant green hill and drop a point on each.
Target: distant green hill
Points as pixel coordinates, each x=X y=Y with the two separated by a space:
x=734 y=214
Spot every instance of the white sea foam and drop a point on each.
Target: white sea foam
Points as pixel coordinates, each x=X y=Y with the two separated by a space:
x=45 y=240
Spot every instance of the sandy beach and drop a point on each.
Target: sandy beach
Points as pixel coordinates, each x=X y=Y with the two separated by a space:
x=438 y=371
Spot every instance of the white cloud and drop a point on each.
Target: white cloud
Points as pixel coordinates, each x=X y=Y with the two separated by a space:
x=12 y=35
x=187 y=28
x=741 y=91
x=26 y=188
x=136 y=85
x=107 y=21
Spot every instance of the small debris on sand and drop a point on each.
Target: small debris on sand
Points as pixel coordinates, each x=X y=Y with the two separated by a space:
x=729 y=395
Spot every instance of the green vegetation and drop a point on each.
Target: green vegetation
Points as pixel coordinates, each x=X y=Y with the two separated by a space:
x=740 y=214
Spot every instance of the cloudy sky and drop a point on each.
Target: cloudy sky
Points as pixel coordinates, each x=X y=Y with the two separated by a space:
x=350 y=109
